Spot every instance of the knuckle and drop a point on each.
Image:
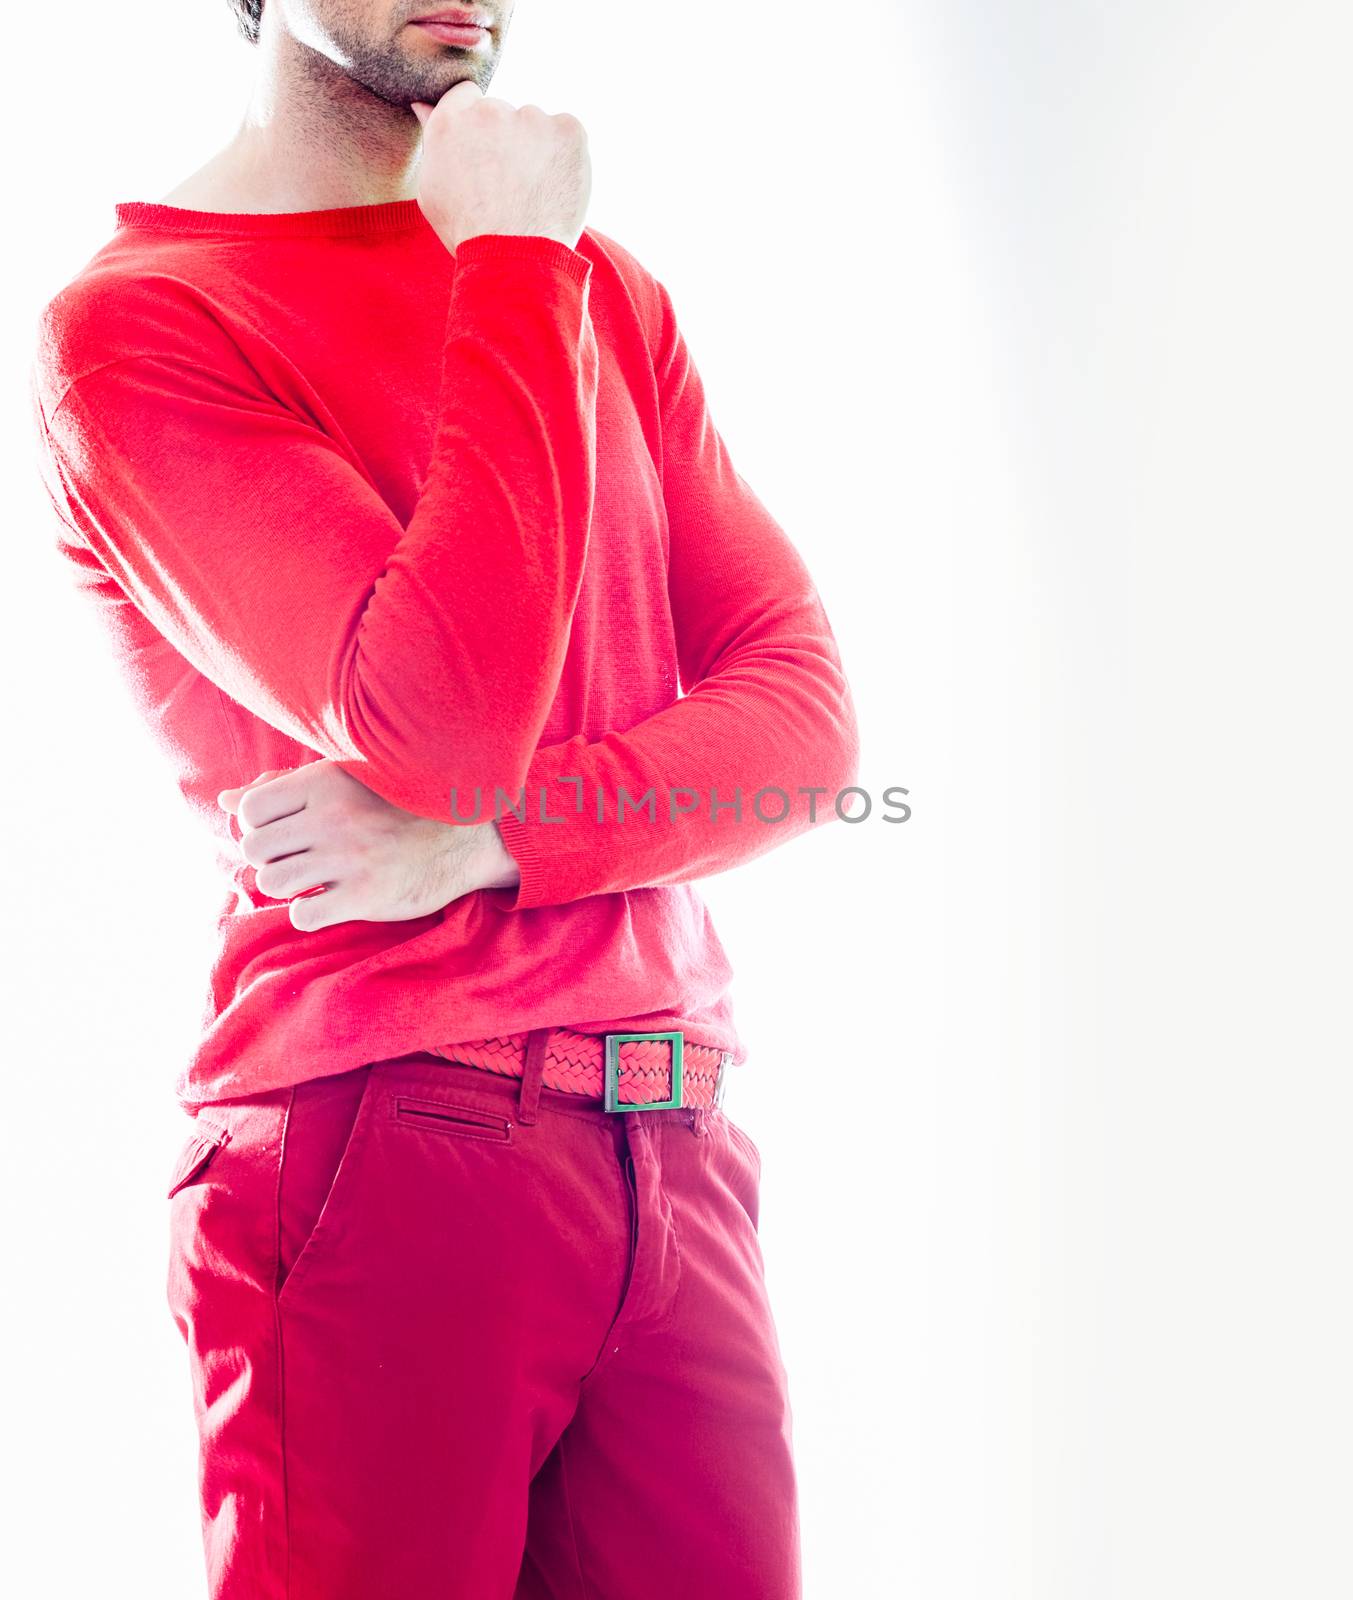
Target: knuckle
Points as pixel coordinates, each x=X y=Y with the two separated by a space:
x=258 y=801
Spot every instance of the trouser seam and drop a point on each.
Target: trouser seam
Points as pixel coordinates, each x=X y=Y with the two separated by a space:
x=584 y=1592
x=280 y=1350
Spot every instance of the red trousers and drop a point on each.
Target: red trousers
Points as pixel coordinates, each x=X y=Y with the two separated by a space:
x=456 y=1336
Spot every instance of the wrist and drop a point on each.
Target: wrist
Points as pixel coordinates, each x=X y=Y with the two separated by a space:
x=500 y=865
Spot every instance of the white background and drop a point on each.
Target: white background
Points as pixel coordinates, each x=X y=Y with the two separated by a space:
x=1030 y=323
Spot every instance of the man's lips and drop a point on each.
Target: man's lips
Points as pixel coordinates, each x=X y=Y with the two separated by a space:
x=467 y=35
x=458 y=16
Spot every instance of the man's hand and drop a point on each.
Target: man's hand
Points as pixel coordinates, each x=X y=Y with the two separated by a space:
x=316 y=826
x=492 y=167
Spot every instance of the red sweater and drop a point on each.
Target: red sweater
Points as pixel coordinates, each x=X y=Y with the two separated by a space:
x=456 y=522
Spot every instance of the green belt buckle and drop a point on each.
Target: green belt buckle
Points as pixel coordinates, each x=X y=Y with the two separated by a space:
x=612 y=1100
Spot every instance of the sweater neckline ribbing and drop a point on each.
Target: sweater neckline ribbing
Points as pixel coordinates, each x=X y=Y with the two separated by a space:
x=387 y=216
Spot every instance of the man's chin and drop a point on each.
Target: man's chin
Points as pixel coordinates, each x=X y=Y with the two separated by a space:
x=431 y=93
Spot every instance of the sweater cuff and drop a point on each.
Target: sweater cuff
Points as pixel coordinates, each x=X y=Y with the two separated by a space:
x=530 y=246
x=519 y=841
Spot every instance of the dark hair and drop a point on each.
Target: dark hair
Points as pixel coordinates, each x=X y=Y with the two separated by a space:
x=247 y=14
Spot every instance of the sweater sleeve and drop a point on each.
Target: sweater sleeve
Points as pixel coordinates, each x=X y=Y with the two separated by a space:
x=764 y=734
x=422 y=658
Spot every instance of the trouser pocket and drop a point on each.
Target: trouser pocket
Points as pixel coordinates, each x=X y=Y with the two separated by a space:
x=321 y=1139
x=194 y=1155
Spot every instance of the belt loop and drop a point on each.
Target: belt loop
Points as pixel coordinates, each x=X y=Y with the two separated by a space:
x=532 y=1071
x=698 y=1121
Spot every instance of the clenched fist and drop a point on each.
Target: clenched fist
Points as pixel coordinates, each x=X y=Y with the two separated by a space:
x=338 y=852
x=492 y=167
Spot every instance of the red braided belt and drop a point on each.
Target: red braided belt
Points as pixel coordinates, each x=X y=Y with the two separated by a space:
x=575 y=1063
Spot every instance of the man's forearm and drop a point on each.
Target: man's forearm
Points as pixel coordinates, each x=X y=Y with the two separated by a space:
x=751 y=758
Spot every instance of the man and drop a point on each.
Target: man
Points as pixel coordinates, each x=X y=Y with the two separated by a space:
x=397 y=491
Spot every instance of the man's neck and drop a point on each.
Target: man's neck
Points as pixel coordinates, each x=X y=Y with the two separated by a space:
x=311 y=138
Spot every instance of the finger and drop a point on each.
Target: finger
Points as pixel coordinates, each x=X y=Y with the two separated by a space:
x=319 y=910
x=279 y=795
x=228 y=799
x=297 y=874
x=285 y=837
x=462 y=94
x=422 y=110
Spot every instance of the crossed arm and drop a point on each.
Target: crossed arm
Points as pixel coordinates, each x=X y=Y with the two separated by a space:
x=414 y=668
